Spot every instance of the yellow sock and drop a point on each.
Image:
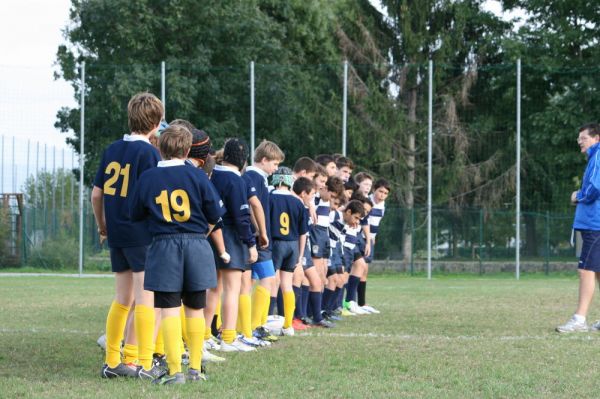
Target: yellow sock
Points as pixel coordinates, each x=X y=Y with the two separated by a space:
x=207 y=330
x=260 y=302
x=115 y=327
x=195 y=333
x=228 y=336
x=171 y=327
x=183 y=330
x=289 y=305
x=245 y=315
x=144 y=333
x=130 y=353
x=159 y=345
x=218 y=314
x=265 y=313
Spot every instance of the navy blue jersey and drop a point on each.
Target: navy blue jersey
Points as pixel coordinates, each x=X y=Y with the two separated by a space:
x=232 y=190
x=289 y=217
x=121 y=165
x=176 y=198
x=256 y=185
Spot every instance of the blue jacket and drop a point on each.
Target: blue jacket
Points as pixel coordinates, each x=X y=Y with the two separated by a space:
x=587 y=213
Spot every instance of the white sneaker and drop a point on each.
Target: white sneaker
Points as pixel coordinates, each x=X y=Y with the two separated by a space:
x=212 y=344
x=256 y=342
x=354 y=308
x=595 y=326
x=370 y=309
x=573 y=326
x=211 y=357
x=236 y=346
x=102 y=341
x=288 y=331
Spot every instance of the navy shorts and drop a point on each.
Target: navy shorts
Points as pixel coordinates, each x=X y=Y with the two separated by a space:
x=264 y=254
x=180 y=263
x=235 y=248
x=131 y=258
x=306 y=260
x=336 y=257
x=285 y=255
x=590 y=251
x=319 y=242
x=350 y=256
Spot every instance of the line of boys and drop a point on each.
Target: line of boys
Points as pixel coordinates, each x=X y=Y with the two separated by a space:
x=157 y=220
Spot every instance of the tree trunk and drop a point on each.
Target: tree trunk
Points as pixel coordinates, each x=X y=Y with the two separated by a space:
x=409 y=198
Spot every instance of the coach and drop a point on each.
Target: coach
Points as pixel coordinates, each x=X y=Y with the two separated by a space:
x=587 y=222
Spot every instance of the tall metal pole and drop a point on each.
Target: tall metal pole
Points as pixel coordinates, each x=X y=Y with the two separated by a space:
x=163 y=85
x=518 y=176
x=345 y=110
x=2 y=171
x=81 y=166
x=252 y=131
x=63 y=183
x=27 y=168
x=14 y=168
x=429 y=167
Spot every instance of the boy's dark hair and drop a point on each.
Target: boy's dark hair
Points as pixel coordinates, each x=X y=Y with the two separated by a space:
x=175 y=142
x=381 y=183
x=209 y=165
x=359 y=177
x=336 y=156
x=182 y=122
x=335 y=185
x=593 y=129
x=355 y=207
x=351 y=185
x=200 y=146
x=324 y=159
x=306 y=164
x=144 y=113
x=320 y=171
x=235 y=153
x=358 y=196
x=344 y=161
x=303 y=185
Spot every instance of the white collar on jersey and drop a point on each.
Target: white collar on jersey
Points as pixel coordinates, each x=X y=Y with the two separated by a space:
x=257 y=170
x=224 y=168
x=171 y=162
x=282 y=192
x=135 y=137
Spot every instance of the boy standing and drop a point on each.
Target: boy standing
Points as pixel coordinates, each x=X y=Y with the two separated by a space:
x=120 y=168
x=181 y=207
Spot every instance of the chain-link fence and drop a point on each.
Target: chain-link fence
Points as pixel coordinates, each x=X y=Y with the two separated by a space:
x=378 y=113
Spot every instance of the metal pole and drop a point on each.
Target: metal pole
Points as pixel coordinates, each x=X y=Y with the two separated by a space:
x=252 y=127
x=72 y=180
x=63 y=183
x=14 y=168
x=547 y=242
x=27 y=168
x=429 y=167
x=54 y=187
x=412 y=238
x=2 y=169
x=345 y=109
x=481 y=241
x=518 y=175
x=81 y=167
x=163 y=85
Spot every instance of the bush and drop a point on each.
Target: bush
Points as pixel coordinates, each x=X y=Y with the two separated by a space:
x=56 y=254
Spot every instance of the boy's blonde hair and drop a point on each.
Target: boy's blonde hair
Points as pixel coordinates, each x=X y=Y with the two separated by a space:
x=175 y=142
x=268 y=149
x=144 y=113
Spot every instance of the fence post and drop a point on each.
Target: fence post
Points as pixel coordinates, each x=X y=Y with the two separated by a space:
x=81 y=166
x=480 y=241
x=547 y=242
x=412 y=238
x=252 y=131
x=518 y=176
x=163 y=85
x=429 y=166
x=345 y=109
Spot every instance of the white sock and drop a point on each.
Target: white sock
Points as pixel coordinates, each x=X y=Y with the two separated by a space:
x=579 y=318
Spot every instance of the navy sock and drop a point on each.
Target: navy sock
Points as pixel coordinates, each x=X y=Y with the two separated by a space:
x=361 y=290
x=305 y=298
x=280 y=303
x=339 y=297
x=327 y=295
x=272 y=306
x=315 y=301
x=351 y=289
x=213 y=327
x=298 y=295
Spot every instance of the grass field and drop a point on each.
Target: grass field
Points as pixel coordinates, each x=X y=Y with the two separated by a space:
x=449 y=337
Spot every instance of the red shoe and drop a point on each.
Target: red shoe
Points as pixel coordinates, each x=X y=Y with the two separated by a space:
x=298 y=325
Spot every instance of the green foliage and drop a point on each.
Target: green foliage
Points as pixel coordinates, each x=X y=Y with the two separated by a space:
x=47 y=189
x=56 y=253
x=5 y=231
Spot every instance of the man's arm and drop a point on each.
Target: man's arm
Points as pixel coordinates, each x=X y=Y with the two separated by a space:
x=98 y=208
x=258 y=215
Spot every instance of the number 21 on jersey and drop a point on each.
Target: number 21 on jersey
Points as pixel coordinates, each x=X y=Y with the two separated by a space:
x=115 y=170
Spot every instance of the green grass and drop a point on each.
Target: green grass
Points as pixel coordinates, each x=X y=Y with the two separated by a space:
x=449 y=337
